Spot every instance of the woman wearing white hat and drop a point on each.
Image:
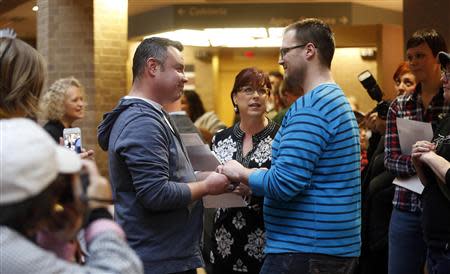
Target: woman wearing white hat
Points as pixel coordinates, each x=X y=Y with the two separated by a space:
x=40 y=187
x=41 y=191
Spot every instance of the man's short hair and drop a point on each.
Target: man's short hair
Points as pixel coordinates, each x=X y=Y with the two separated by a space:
x=315 y=31
x=429 y=36
x=155 y=47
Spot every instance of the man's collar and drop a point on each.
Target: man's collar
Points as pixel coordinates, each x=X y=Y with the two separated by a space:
x=151 y=102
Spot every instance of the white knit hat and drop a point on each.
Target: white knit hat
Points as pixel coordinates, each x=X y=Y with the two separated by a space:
x=30 y=160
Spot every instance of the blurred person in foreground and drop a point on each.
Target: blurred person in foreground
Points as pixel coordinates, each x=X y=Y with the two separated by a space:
x=238 y=234
x=312 y=189
x=207 y=122
x=22 y=73
x=431 y=160
x=42 y=191
x=22 y=76
x=157 y=196
x=426 y=104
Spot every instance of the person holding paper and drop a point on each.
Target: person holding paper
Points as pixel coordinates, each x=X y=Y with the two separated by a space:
x=155 y=190
x=377 y=187
x=426 y=104
x=207 y=122
x=312 y=191
x=431 y=160
x=238 y=234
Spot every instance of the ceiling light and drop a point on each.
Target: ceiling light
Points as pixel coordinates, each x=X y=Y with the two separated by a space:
x=35 y=8
x=226 y=37
x=186 y=37
x=276 y=32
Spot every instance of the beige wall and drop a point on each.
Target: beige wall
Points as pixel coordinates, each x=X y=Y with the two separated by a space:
x=347 y=64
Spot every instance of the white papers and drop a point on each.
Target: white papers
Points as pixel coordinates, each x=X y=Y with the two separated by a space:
x=191 y=139
x=202 y=158
x=225 y=200
x=410 y=131
x=412 y=183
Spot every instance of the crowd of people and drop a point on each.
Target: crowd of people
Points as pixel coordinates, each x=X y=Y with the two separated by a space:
x=294 y=156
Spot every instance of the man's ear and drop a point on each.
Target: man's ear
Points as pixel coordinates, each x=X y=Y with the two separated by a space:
x=310 y=50
x=152 y=66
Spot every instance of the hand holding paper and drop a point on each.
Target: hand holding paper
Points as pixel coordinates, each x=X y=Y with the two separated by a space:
x=411 y=135
x=410 y=131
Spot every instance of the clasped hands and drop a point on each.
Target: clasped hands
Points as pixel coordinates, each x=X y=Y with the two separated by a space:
x=421 y=150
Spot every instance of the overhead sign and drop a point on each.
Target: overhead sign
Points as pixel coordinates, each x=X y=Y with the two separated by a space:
x=246 y=15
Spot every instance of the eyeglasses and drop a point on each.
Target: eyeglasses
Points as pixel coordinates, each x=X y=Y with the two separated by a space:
x=284 y=51
x=247 y=90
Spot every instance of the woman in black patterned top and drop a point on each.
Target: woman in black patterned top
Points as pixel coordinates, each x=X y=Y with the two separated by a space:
x=238 y=234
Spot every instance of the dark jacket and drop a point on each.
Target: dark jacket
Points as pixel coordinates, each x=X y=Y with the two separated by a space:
x=436 y=207
x=55 y=129
x=149 y=172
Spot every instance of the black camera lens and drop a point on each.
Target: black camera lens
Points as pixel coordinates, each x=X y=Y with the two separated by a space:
x=370 y=84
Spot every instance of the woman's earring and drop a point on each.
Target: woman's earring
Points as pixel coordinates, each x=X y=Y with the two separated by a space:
x=236 y=110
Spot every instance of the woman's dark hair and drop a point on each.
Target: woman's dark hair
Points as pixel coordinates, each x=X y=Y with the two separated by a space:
x=195 y=104
x=250 y=77
x=26 y=216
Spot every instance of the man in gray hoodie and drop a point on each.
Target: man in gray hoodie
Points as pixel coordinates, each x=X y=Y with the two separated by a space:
x=155 y=190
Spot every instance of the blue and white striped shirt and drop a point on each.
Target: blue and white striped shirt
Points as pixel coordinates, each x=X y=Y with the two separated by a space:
x=312 y=194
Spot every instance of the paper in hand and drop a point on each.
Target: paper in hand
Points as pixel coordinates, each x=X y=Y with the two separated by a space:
x=202 y=158
x=412 y=183
x=410 y=131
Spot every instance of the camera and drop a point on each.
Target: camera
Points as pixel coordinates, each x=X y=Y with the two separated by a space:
x=373 y=89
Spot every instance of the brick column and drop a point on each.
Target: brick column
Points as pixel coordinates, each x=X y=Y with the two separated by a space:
x=110 y=57
x=87 y=39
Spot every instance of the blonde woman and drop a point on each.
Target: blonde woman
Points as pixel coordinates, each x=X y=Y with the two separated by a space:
x=62 y=105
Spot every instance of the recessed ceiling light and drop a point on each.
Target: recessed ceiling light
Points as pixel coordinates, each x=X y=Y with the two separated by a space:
x=35 y=8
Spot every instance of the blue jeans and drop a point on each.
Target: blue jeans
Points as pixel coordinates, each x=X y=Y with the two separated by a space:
x=305 y=263
x=438 y=261
x=406 y=246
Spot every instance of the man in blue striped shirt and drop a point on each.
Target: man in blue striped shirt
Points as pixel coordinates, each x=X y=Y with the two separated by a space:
x=311 y=193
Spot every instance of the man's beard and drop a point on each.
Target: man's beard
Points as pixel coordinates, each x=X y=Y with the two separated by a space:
x=295 y=79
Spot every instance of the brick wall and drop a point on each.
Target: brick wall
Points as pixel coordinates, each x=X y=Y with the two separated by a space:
x=87 y=39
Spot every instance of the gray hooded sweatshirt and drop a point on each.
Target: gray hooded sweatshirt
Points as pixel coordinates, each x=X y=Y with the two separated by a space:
x=149 y=170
